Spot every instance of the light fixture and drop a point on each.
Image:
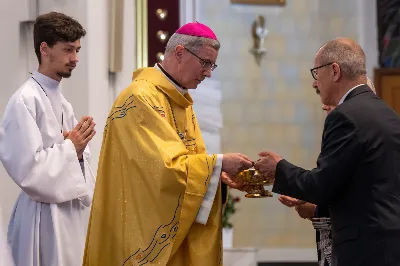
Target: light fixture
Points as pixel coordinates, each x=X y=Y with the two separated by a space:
x=162 y=14
x=160 y=57
x=162 y=35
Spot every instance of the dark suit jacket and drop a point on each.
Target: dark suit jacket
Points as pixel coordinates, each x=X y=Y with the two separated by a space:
x=358 y=177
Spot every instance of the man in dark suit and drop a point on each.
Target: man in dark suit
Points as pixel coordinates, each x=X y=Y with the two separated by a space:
x=358 y=169
x=319 y=215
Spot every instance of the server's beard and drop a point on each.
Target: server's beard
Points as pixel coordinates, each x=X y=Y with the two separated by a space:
x=64 y=74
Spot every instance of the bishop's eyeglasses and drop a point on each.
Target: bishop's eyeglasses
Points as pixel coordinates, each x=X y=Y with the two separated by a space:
x=204 y=63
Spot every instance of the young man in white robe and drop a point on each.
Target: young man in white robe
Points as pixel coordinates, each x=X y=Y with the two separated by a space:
x=44 y=150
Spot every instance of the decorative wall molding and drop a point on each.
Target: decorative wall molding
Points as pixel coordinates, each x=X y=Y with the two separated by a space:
x=116 y=31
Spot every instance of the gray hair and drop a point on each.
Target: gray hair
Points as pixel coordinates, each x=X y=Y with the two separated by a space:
x=192 y=43
x=347 y=54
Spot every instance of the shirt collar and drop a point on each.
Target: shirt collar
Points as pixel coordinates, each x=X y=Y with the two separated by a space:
x=46 y=82
x=179 y=87
x=347 y=93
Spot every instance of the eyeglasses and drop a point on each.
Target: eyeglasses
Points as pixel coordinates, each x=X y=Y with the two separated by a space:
x=204 y=63
x=314 y=72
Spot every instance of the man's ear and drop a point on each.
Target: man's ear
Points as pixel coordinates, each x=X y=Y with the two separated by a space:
x=337 y=72
x=179 y=49
x=44 y=48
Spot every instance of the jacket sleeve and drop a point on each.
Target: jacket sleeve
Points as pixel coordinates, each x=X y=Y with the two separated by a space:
x=340 y=154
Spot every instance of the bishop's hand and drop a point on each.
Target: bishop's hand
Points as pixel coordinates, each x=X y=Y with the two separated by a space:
x=233 y=163
x=81 y=134
x=231 y=181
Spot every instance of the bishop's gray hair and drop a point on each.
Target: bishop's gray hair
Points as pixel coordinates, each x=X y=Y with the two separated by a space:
x=192 y=43
x=347 y=54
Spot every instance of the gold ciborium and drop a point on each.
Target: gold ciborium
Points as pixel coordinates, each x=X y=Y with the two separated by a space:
x=254 y=184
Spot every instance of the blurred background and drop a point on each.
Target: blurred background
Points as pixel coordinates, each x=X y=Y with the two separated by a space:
x=260 y=96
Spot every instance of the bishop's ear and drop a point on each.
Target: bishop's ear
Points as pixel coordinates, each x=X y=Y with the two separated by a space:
x=179 y=50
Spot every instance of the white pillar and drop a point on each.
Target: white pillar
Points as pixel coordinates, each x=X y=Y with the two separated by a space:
x=187 y=11
x=368 y=29
x=207 y=105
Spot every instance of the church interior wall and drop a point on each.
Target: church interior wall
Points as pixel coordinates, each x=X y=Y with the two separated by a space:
x=271 y=106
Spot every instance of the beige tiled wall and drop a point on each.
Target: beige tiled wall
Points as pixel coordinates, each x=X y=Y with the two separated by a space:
x=273 y=106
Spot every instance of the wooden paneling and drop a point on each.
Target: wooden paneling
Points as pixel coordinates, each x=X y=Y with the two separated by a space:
x=387 y=84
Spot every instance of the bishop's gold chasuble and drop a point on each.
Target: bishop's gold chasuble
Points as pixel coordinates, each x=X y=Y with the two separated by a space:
x=152 y=177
